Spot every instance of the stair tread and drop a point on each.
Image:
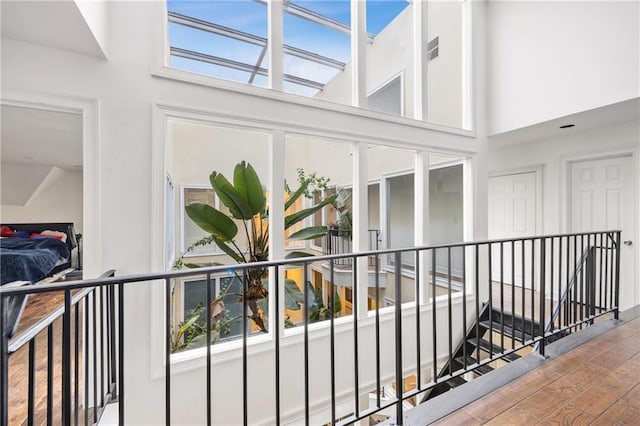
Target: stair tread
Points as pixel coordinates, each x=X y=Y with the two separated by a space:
x=508 y=331
x=454 y=382
x=483 y=369
x=485 y=346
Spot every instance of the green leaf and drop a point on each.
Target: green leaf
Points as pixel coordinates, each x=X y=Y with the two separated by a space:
x=296 y=217
x=248 y=185
x=230 y=197
x=212 y=221
x=293 y=297
x=309 y=233
x=297 y=255
x=234 y=254
x=292 y=199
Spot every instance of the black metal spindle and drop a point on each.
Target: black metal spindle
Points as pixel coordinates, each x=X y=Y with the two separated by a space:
x=560 y=263
x=533 y=287
x=85 y=305
x=66 y=359
x=398 y=338
x=245 y=325
x=551 y=276
x=103 y=339
x=50 y=346
x=477 y=294
x=276 y=326
x=567 y=312
x=121 y=395
x=305 y=313
x=208 y=372
x=607 y=283
x=513 y=294
x=418 y=344
x=581 y=282
x=76 y=365
x=449 y=310
x=31 y=409
x=434 y=314
x=618 y=246
x=543 y=276
x=112 y=333
x=523 y=288
x=464 y=304
x=354 y=313
x=94 y=330
x=377 y=282
x=490 y=264
x=4 y=363
x=601 y=301
x=332 y=344
x=167 y=351
x=501 y=297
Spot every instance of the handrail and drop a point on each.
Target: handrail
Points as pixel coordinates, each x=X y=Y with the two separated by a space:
x=23 y=338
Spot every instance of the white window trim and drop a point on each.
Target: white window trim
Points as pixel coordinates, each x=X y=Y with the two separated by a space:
x=183 y=218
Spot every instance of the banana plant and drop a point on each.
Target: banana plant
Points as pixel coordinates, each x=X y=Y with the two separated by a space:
x=246 y=201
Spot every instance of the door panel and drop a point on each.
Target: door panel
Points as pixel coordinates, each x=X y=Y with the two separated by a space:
x=512 y=214
x=602 y=198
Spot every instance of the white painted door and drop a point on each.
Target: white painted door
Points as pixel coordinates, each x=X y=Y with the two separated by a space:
x=512 y=214
x=602 y=198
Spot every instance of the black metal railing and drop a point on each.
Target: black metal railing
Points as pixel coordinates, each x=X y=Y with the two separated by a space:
x=339 y=241
x=87 y=377
x=527 y=276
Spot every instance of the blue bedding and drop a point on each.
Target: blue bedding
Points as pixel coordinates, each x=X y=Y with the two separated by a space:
x=23 y=259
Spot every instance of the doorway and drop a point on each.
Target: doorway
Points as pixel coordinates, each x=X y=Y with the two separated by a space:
x=602 y=197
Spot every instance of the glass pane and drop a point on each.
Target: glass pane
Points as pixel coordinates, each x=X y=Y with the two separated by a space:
x=193 y=233
x=219 y=33
x=318 y=49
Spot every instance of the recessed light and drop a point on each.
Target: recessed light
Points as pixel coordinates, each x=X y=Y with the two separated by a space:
x=566 y=126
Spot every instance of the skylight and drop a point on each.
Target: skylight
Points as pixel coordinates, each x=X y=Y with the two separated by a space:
x=228 y=39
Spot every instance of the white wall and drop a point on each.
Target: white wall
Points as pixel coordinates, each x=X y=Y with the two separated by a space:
x=58 y=199
x=127 y=93
x=550 y=59
x=96 y=14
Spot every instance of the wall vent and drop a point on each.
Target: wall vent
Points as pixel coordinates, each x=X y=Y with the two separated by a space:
x=432 y=48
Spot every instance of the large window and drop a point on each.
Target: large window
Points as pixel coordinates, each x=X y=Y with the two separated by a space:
x=229 y=40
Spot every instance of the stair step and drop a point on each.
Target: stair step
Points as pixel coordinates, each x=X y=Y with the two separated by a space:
x=485 y=346
x=455 y=382
x=483 y=369
x=508 y=331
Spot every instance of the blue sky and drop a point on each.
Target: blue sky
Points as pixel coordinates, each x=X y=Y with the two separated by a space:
x=251 y=17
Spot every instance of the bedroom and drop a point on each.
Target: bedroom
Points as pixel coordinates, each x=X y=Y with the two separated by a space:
x=41 y=193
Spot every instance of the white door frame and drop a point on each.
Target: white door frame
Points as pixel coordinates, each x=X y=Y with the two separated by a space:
x=565 y=191
x=88 y=108
x=537 y=170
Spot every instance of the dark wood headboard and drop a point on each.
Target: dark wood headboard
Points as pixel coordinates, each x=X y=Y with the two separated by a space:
x=66 y=227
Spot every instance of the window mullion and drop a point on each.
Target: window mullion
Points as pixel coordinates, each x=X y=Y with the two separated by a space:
x=358 y=53
x=275 y=44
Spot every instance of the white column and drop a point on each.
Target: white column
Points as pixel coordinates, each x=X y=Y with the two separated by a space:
x=275 y=43
x=467 y=69
x=360 y=202
x=420 y=35
x=358 y=53
x=276 y=222
x=421 y=220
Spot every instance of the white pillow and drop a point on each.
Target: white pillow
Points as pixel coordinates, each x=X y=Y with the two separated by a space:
x=63 y=235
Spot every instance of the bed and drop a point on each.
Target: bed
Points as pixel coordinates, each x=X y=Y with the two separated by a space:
x=34 y=252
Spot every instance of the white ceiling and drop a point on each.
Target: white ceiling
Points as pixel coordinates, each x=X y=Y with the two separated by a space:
x=620 y=112
x=57 y=24
x=40 y=137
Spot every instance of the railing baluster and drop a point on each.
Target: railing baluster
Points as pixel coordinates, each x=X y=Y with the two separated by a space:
x=86 y=359
x=208 y=372
x=66 y=359
x=551 y=275
x=276 y=315
x=581 y=284
x=523 y=294
x=167 y=351
x=434 y=314
x=121 y=396
x=477 y=294
x=377 y=280
x=560 y=263
x=245 y=325
x=449 y=310
x=76 y=388
x=4 y=362
x=513 y=294
x=32 y=383
x=102 y=346
x=501 y=297
x=112 y=333
x=601 y=301
x=398 y=336
x=332 y=343
x=464 y=305
x=618 y=246
x=50 y=346
x=354 y=314
x=95 y=354
x=418 y=299
x=305 y=313
x=543 y=277
x=490 y=253
x=533 y=287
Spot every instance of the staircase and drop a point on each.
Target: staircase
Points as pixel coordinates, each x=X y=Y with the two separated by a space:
x=494 y=333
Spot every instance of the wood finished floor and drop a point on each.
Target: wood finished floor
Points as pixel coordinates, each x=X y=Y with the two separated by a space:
x=597 y=383
x=38 y=306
